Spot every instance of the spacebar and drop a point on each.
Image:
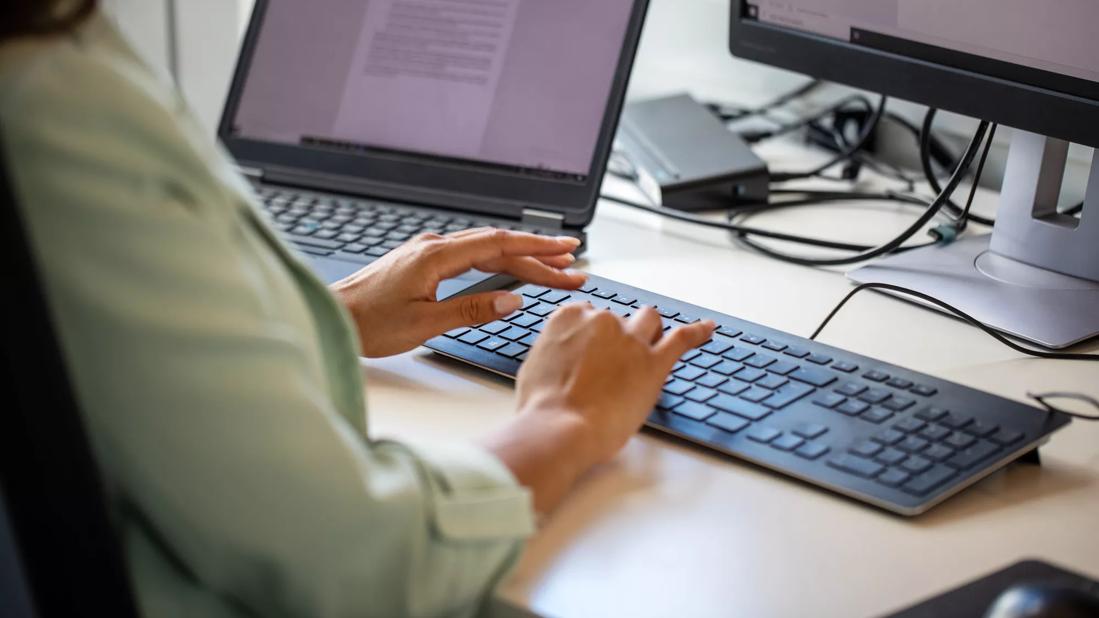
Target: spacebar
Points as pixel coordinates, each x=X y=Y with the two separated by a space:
x=314 y=242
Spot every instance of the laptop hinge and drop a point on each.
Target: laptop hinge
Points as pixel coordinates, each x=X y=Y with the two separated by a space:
x=543 y=218
x=253 y=173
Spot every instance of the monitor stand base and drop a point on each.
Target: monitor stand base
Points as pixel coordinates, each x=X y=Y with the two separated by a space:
x=1037 y=305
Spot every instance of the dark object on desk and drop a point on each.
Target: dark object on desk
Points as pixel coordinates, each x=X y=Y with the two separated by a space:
x=698 y=162
x=346 y=187
x=888 y=436
x=1029 y=589
x=59 y=555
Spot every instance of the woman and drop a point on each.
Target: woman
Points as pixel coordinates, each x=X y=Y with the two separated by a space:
x=220 y=379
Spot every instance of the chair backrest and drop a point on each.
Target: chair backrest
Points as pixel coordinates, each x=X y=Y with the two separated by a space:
x=59 y=554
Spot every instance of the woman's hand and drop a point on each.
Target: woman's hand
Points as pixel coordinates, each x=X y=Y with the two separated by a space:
x=393 y=301
x=589 y=383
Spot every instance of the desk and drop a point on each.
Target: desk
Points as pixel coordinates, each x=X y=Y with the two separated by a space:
x=669 y=529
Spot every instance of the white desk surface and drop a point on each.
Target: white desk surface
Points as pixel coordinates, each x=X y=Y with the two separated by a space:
x=670 y=529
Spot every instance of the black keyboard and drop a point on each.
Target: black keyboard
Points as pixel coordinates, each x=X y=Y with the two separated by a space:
x=888 y=436
x=361 y=230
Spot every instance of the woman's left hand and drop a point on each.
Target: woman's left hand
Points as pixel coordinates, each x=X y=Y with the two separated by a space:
x=393 y=301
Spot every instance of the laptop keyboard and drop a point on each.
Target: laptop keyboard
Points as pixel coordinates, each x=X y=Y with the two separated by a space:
x=882 y=434
x=360 y=230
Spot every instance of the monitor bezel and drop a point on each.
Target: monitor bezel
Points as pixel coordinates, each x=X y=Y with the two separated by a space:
x=1009 y=101
x=406 y=176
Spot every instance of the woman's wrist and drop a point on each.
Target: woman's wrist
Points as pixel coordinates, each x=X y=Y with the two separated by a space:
x=547 y=448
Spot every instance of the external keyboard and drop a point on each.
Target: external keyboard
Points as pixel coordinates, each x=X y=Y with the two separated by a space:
x=361 y=230
x=879 y=433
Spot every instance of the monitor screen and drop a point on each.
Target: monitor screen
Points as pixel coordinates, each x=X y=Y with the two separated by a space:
x=1048 y=44
x=518 y=84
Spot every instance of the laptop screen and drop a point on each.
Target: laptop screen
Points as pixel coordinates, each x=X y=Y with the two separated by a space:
x=518 y=84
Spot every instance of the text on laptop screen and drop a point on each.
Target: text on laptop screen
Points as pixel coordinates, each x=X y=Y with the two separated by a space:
x=517 y=83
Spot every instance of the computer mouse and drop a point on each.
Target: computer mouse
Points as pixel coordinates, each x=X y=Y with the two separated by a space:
x=1044 y=601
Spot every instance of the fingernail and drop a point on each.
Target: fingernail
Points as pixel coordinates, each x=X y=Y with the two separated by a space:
x=507 y=303
x=569 y=240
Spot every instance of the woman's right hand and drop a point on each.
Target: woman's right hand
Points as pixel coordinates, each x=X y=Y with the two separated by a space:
x=588 y=385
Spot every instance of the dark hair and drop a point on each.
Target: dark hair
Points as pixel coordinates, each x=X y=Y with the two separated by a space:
x=43 y=17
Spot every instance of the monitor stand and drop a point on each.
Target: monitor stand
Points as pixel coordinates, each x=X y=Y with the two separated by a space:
x=1036 y=277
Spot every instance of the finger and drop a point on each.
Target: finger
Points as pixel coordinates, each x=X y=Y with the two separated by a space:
x=530 y=270
x=469 y=310
x=462 y=253
x=557 y=261
x=678 y=341
x=645 y=325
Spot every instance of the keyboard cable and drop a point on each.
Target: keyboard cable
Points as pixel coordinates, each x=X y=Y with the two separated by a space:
x=1042 y=398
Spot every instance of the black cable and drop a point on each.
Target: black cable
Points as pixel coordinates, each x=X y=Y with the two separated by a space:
x=929 y=172
x=932 y=210
x=856 y=146
x=958 y=312
x=782 y=129
x=963 y=219
x=779 y=101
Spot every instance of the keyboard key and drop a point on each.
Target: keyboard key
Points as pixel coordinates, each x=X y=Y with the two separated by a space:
x=959 y=440
x=928 y=481
x=750 y=374
x=529 y=339
x=701 y=394
x=734 y=387
x=727 y=368
x=782 y=367
x=787 y=442
x=512 y=350
x=678 y=387
x=711 y=380
x=310 y=241
x=1006 y=437
x=705 y=360
x=816 y=377
x=514 y=333
x=938 y=452
x=686 y=319
x=727 y=422
x=900 y=383
x=542 y=310
x=759 y=361
x=457 y=332
x=891 y=456
x=852 y=407
x=931 y=414
x=796 y=352
x=533 y=291
x=690 y=354
x=866 y=449
x=738 y=354
x=587 y=288
x=890 y=436
x=811 y=450
x=955 y=421
x=668 y=401
x=876 y=376
x=893 y=477
x=667 y=313
x=899 y=404
x=493 y=343
x=851 y=389
x=750 y=411
x=764 y=434
x=913 y=444
x=845 y=367
x=752 y=339
x=624 y=300
x=923 y=391
x=810 y=431
x=934 y=432
x=555 y=296
x=916 y=465
x=495 y=328
x=874 y=395
x=819 y=359
x=690 y=373
x=973 y=455
x=910 y=425
x=696 y=411
x=755 y=394
x=786 y=395
x=876 y=415
x=829 y=400
x=982 y=429
x=718 y=346
x=856 y=465
x=774 y=346
x=473 y=337
x=729 y=332
x=771 y=381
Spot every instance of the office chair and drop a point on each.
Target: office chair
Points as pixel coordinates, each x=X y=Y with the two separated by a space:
x=59 y=554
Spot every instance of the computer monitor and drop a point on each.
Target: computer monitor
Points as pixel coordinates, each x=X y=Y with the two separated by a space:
x=1032 y=66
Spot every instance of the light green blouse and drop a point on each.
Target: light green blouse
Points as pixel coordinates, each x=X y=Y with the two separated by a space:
x=219 y=379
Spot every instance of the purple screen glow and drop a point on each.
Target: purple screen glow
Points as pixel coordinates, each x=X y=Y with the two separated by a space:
x=521 y=83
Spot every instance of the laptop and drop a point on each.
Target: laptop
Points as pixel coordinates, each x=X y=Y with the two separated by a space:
x=362 y=123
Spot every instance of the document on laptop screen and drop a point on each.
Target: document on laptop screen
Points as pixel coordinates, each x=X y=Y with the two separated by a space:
x=520 y=83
